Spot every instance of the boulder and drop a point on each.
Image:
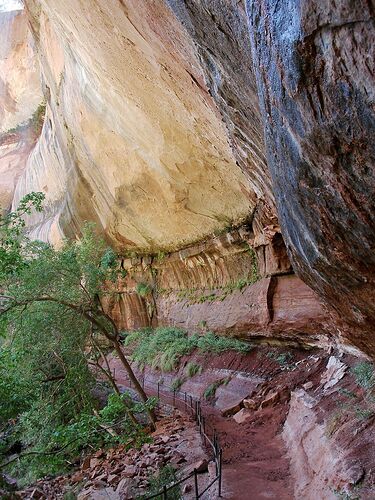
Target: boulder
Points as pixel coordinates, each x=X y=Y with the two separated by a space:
x=270 y=400
x=241 y=416
x=201 y=466
x=334 y=372
x=308 y=385
x=250 y=404
x=231 y=410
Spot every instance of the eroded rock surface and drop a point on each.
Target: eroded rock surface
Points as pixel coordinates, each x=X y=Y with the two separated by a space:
x=133 y=139
x=20 y=96
x=315 y=71
x=157 y=117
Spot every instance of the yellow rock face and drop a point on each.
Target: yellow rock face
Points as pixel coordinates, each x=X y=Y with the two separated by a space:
x=132 y=138
x=20 y=95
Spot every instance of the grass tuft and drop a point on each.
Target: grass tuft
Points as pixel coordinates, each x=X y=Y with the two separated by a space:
x=193 y=369
x=143 y=289
x=210 y=392
x=364 y=374
x=177 y=383
x=163 y=347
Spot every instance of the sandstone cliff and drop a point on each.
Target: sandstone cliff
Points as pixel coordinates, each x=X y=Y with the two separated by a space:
x=20 y=96
x=195 y=127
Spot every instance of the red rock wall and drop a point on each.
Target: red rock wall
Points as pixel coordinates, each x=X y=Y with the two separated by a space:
x=210 y=286
x=281 y=307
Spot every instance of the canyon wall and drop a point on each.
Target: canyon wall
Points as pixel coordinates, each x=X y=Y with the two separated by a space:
x=133 y=138
x=188 y=130
x=20 y=97
x=315 y=64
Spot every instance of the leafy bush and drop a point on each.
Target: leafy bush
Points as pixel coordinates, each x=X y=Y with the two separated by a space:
x=192 y=369
x=364 y=374
x=143 y=289
x=160 y=348
x=210 y=392
x=165 y=477
x=163 y=347
x=15 y=391
x=215 y=344
x=177 y=383
x=50 y=317
x=54 y=448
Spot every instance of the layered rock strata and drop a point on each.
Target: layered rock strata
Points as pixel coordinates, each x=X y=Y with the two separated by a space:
x=222 y=285
x=155 y=115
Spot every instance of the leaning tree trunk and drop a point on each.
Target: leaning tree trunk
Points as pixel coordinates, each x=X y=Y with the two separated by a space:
x=133 y=378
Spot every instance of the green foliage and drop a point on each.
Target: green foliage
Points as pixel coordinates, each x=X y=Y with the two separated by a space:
x=35 y=122
x=109 y=259
x=199 y=296
x=364 y=374
x=347 y=393
x=50 y=315
x=12 y=243
x=283 y=358
x=15 y=390
x=215 y=344
x=161 y=256
x=57 y=446
x=38 y=118
x=163 y=347
x=177 y=383
x=364 y=413
x=193 y=369
x=160 y=348
x=210 y=392
x=143 y=289
x=165 y=477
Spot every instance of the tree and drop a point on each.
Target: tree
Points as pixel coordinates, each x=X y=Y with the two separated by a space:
x=39 y=281
x=12 y=237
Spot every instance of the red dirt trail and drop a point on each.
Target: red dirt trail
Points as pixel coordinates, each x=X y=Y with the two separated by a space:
x=255 y=465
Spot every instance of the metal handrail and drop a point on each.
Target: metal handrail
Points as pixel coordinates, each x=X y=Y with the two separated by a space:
x=196 y=410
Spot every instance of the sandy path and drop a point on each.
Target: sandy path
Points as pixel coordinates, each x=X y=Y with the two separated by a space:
x=254 y=462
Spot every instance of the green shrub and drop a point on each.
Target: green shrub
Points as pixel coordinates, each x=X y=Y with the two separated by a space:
x=165 y=477
x=364 y=413
x=160 y=348
x=192 y=369
x=210 y=392
x=215 y=344
x=177 y=383
x=364 y=374
x=143 y=289
x=57 y=446
x=163 y=347
x=283 y=358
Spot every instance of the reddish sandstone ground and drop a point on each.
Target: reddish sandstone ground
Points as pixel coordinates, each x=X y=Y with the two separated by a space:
x=255 y=461
x=255 y=465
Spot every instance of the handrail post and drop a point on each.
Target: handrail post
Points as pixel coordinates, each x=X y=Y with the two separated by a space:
x=196 y=484
x=220 y=469
x=158 y=390
x=164 y=492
